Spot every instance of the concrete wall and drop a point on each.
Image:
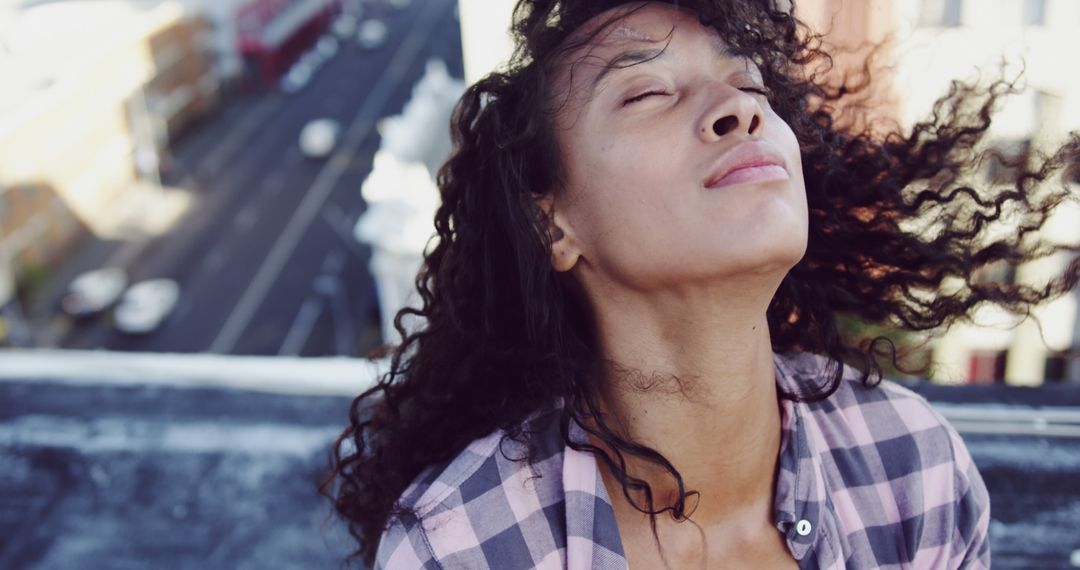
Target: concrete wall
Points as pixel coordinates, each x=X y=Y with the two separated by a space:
x=485 y=35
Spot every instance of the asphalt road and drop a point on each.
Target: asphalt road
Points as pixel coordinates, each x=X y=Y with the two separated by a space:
x=266 y=258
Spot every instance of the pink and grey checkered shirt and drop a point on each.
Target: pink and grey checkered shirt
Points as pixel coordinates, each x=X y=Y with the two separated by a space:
x=871 y=477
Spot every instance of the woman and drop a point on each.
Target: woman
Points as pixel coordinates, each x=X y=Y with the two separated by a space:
x=650 y=227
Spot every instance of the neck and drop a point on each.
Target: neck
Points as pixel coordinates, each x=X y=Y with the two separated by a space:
x=691 y=376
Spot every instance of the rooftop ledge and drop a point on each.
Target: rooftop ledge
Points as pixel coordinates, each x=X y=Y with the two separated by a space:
x=1050 y=411
x=325 y=376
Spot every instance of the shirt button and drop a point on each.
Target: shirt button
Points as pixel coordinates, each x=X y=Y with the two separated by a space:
x=803 y=527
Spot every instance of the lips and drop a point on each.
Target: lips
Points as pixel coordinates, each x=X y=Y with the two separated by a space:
x=747 y=162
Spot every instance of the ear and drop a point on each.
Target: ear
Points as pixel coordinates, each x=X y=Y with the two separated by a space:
x=565 y=249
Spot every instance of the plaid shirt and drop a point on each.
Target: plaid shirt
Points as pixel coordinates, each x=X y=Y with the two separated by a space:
x=868 y=478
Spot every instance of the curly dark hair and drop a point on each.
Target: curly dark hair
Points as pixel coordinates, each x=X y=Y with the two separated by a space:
x=898 y=231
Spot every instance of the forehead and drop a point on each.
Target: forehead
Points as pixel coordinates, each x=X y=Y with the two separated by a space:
x=640 y=29
x=637 y=24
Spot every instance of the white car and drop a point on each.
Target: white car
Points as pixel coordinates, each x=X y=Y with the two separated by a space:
x=146 y=305
x=327 y=46
x=296 y=79
x=319 y=137
x=344 y=26
x=372 y=34
x=94 y=291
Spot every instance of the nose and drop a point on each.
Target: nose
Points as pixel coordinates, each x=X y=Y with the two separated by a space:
x=732 y=112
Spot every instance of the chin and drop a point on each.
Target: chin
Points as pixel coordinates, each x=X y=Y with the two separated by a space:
x=776 y=253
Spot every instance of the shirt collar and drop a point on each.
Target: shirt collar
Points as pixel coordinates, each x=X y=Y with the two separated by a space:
x=592 y=536
x=800 y=483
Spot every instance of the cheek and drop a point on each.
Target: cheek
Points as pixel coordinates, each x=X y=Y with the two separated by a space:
x=615 y=183
x=789 y=144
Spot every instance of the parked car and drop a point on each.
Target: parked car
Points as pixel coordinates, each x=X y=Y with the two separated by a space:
x=93 y=292
x=327 y=46
x=297 y=78
x=146 y=305
x=319 y=137
x=314 y=58
x=372 y=34
x=344 y=26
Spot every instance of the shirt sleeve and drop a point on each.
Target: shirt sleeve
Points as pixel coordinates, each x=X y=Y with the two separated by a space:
x=404 y=546
x=971 y=537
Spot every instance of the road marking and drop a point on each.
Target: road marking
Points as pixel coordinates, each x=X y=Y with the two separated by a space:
x=272 y=185
x=182 y=309
x=246 y=219
x=333 y=263
x=339 y=221
x=213 y=261
x=293 y=156
x=344 y=335
x=327 y=284
x=301 y=327
x=324 y=183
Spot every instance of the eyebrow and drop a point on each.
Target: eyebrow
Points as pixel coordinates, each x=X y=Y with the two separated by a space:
x=630 y=58
x=624 y=60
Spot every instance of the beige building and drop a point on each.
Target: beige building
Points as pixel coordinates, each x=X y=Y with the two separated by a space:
x=93 y=93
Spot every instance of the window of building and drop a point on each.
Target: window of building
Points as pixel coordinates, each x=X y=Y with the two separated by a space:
x=987 y=367
x=1001 y=168
x=997 y=272
x=1034 y=12
x=1073 y=172
x=940 y=13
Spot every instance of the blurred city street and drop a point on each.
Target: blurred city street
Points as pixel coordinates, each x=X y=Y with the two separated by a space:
x=266 y=257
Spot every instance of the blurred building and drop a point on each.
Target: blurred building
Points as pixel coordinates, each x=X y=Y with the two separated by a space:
x=93 y=94
x=942 y=40
x=926 y=45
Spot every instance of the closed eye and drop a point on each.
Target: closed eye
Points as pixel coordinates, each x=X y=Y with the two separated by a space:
x=756 y=90
x=642 y=96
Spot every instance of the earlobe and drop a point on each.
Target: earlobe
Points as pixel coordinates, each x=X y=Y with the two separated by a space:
x=564 y=249
x=564 y=254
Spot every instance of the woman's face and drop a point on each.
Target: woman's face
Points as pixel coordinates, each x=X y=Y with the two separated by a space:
x=676 y=168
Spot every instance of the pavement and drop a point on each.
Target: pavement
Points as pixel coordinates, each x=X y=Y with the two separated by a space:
x=123 y=475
